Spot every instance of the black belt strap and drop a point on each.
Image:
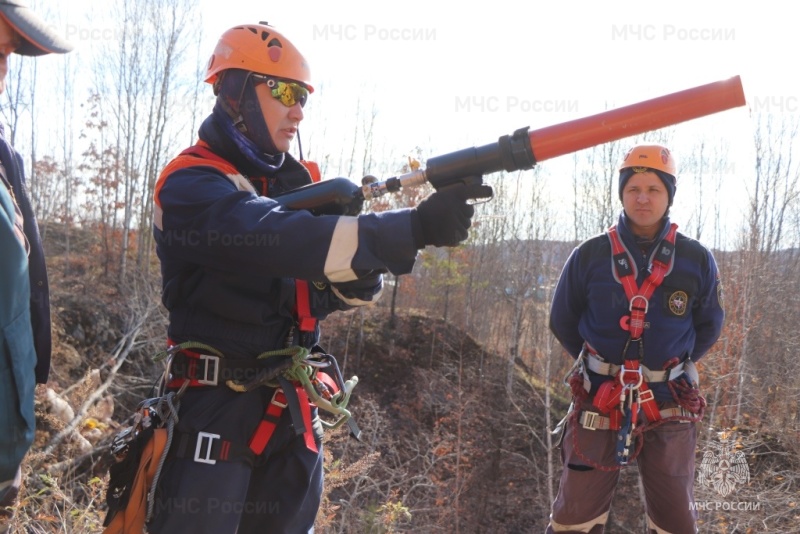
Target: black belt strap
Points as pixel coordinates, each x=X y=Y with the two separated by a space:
x=293 y=403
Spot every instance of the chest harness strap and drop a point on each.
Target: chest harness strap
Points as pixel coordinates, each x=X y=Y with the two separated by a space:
x=624 y=397
x=305 y=321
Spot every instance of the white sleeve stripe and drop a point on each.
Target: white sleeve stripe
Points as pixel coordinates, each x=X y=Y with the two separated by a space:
x=242 y=183
x=344 y=244
x=355 y=301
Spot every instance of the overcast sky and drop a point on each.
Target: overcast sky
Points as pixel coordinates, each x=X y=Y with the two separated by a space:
x=447 y=75
x=498 y=65
x=443 y=73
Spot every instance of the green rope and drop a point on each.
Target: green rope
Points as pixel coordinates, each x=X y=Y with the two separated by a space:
x=186 y=345
x=300 y=371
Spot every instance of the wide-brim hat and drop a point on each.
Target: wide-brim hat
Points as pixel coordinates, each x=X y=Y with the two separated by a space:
x=37 y=37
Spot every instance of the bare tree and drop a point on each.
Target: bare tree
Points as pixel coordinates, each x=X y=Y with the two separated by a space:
x=137 y=74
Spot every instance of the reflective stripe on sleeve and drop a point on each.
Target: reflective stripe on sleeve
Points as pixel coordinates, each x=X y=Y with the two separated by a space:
x=357 y=301
x=344 y=244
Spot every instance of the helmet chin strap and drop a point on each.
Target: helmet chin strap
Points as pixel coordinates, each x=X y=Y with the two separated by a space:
x=299 y=144
x=265 y=163
x=229 y=88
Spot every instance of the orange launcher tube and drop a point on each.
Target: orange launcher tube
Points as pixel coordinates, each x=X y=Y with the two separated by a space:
x=674 y=108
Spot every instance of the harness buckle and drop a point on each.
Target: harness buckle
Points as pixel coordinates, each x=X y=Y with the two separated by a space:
x=206 y=358
x=275 y=400
x=646 y=396
x=201 y=436
x=646 y=303
x=588 y=420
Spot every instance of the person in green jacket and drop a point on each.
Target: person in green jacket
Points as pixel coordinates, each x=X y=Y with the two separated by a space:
x=21 y=32
x=17 y=355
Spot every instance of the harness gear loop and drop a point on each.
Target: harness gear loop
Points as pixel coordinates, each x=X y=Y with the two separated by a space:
x=173 y=349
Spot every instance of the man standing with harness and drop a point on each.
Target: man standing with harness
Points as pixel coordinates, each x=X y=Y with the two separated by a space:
x=244 y=277
x=636 y=307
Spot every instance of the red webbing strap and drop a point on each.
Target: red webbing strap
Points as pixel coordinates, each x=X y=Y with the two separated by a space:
x=191 y=369
x=306 y=322
x=611 y=394
x=639 y=297
x=272 y=415
x=268 y=423
x=607 y=396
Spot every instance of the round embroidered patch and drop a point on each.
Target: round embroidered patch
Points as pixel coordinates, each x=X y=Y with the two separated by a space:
x=678 y=303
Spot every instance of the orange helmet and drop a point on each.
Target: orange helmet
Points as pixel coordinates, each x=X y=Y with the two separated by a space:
x=258 y=48
x=643 y=158
x=651 y=156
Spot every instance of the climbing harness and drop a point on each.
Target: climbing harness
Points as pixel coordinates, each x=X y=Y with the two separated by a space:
x=618 y=402
x=315 y=372
x=300 y=377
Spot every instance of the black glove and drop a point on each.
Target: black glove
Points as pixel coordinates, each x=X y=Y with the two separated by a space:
x=444 y=217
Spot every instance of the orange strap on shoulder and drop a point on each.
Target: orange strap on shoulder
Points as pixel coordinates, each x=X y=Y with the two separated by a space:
x=199 y=154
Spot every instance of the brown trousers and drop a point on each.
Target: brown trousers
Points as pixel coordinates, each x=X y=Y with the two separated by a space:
x=666 y=467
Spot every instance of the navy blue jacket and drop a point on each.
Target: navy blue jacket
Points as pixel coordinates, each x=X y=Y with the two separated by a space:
x=685 y=315
x=230 y=255
x=40 y=289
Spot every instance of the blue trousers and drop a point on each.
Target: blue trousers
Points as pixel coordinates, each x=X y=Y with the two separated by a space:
x=279 y=494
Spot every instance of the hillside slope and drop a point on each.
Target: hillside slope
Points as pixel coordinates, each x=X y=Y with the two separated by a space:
x=444 y=448
x=454 y=452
